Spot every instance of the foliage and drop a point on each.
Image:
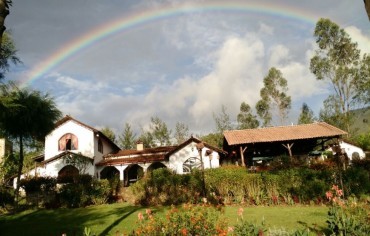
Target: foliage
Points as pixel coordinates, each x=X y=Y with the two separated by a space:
x=6 y=197
x=160 y=131
x=109 y=133
x=357 y=181
x=188 y=220
x=246 y=120
x=163 y=187
x=338 y=61
x=274 y=97
x=306 y=116
x=127 y=139
x=212 y=139
x=363 y=140
x=84 y=191
x=7 y=54
x=344 y=219
x=223 y=123
x=79 y=161
x=26 y=115
x=181 y=132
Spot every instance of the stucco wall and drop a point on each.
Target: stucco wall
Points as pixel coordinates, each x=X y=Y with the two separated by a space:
x=85 y=139
x=350 y=149
x=177 y=159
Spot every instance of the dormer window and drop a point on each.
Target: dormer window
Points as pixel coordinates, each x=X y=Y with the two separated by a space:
x=68 y=142
x=100 y=146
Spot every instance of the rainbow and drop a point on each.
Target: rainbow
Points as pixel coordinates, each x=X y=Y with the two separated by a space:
x=141 y=18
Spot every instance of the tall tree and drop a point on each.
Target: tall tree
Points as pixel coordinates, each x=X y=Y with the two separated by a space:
x=331 y=112
x=160 y=131
x=127 y=139
x=306 y=116
x=245 y=118
x=25 y=116
x=223 y=123
x=4 y=12
x=181 y=132
x=274 y=97
x=109 y=133
x=338 y=62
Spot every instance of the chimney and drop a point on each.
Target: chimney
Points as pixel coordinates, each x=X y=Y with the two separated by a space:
x=139 y=145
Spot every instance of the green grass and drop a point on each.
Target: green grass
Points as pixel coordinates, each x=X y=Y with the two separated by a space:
x=122 y=217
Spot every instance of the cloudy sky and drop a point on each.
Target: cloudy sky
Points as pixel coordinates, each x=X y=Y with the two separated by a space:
x=116 y=61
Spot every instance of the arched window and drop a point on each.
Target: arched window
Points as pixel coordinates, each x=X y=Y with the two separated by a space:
x=100 y=146
x=191 y=164
x=68 y=142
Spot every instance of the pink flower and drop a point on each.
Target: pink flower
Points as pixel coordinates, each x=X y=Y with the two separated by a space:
x=148 y=211
x=230 y=229
x=140 y=216
x=339 y=192
x=329 y=195
x=240 y=211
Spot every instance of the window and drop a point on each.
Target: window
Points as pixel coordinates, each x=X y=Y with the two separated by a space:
x=191 y=164
x=68 y=142
x=100 y=146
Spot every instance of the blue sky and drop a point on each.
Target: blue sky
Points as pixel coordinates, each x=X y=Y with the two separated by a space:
x=180 y=68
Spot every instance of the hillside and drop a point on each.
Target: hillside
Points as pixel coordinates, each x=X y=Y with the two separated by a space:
x=361 y=121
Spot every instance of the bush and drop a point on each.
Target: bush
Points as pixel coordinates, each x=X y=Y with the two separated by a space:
x=163 y=187
x=188 y=220
x=73 y=196
x=6 y=197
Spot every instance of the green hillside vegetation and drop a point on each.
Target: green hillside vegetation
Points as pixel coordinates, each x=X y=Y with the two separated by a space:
x=361 y=121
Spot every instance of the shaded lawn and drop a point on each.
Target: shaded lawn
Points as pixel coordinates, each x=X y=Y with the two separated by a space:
x=122 y=218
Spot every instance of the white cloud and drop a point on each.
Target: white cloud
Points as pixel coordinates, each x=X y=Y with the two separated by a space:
x=358 y=36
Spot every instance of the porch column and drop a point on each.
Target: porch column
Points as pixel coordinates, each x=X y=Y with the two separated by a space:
x=121 y=172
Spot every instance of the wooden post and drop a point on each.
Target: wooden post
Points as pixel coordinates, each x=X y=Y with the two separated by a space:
x=289 y=147
x=242 y=154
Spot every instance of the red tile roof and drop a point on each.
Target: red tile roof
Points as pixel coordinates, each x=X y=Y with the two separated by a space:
x=282 y=133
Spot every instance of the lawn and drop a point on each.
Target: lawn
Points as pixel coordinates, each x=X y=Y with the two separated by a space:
x=122 y=217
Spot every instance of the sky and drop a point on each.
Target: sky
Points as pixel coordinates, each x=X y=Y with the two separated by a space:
x=110 y=62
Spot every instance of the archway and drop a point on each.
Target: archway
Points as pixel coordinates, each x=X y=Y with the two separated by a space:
x=156 y=165
x=191 y=164
x=109 y=172
x=67 y=174
x=132 y=174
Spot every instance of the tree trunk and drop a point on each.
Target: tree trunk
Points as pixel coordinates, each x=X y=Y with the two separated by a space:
x=242 y=155
x=20 y=167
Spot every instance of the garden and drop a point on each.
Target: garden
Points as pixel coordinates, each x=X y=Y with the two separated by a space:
x=320 y=199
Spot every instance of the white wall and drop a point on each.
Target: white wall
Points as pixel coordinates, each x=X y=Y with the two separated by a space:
x=177 y=159
x=350 y=149
x=85 y=139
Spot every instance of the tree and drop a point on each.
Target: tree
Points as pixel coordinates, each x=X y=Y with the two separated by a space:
x=223 y=123
x=331 y=113
x=127 y=139
x=109 y=133
x=160 y=131
x=181 y=132
x=246 y=120
x=4 y=12
x=158 y=134
x=7 y=54
x=338 y=62
x=26 y=115
x=306 y=116
x=274 y=97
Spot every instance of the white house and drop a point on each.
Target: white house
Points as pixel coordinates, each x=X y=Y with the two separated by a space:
x=74 y=147
x=130 y=164
x=352 y=150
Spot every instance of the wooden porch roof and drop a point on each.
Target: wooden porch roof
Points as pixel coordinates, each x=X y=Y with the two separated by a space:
x=282 y=133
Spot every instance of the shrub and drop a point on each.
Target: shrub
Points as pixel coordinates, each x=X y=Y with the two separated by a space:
x=6 y=197
x=163 y=187
x=356 y=181
x=100 y=191
x=73 y=196
x=188 y=220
